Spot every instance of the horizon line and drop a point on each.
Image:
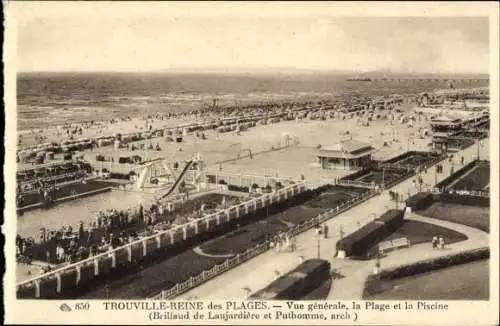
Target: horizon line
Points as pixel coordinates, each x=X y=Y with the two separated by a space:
x=257 y=71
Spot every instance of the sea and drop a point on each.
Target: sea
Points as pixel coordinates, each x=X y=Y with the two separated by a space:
x=50 y=99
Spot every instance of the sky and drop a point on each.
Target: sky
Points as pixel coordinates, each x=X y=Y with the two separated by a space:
x=106 y=39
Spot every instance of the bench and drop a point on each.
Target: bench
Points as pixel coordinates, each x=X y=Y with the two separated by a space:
x=393 y=244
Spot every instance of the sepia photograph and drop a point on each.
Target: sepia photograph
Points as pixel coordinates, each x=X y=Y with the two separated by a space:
x=165 y=153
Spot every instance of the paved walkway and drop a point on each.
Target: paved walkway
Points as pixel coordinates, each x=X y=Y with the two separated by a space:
x=260 y=271
x=356 y=272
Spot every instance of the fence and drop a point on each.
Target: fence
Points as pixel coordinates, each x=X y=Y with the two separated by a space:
x=475 y=193
x=411 y=167
x=136 y=250
x=240 y=258
x=246 y=179
x=228 y=264
x=353 y=183
x=272 y=149
x=403 y=177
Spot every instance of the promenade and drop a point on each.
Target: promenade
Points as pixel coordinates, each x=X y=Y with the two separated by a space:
x=260 y=271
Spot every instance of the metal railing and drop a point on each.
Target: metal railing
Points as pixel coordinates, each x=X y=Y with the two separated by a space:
x=475 y=193
x=274 y=196
x=240 y=258
x=356 y=183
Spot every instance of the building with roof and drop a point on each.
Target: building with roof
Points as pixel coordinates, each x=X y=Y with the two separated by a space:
x=346 y=155
x=453 y=133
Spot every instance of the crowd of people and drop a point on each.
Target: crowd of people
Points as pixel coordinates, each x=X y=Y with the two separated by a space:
x=109 y=229
x=228 y=114
x=112 y=228
x=283 y=242
x=224 y=115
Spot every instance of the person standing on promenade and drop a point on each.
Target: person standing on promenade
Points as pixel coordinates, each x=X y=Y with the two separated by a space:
x=434 y=242
x=81 y=232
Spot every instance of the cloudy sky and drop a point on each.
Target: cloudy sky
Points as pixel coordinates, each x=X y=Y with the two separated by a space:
x=102 y=38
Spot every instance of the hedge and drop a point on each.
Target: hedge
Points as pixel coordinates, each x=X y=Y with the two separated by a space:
x=355 y=175
x=392 y=219
x=456 y=175
x=296 y=283
x=400 y=157
x=115 y=175
x=463 y=199
x=375 y=284
x=237 y=188
x=436 y=263
x=420 y=201
x=361 y=240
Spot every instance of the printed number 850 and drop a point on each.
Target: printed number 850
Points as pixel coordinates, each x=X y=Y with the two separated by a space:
x=82 y=306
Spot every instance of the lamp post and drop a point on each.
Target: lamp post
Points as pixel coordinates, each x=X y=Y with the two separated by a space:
x=377 y=262
x=248 y=291
x=107 y=290
x=319 y=246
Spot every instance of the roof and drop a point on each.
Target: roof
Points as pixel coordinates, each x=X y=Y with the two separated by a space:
x=445 y=118
x=347 y=148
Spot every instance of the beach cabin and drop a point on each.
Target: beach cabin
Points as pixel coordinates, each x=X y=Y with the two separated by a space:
x=346 y=155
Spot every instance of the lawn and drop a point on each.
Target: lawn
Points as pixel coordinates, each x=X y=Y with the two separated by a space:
x=417 y=159
x=183 y=263
x=258 y=231
x=335 y=196
x=420 y=232
x=477 y=179
x=378 y=176
x=471 y=282
x=473 y=216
